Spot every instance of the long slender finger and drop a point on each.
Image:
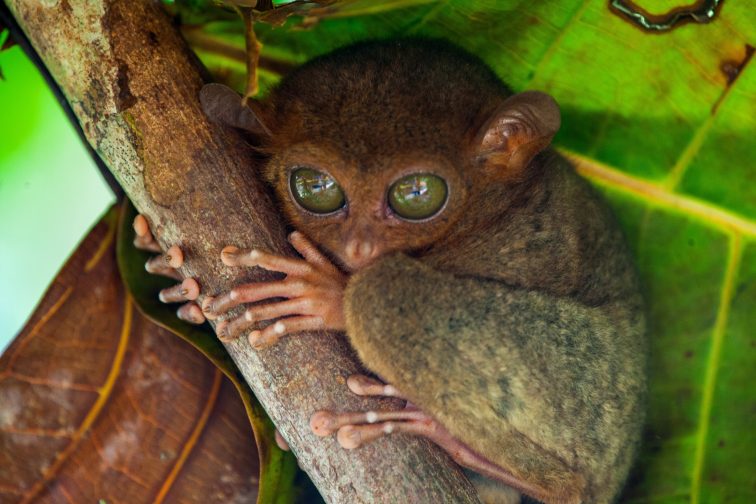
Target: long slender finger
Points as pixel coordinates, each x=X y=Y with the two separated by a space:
x=309 y=250
x=233 y=256
x=229 y=330
x=259 y=313
x=149 y=246
x=188 y=290
x=143 y=237
x=251 y=293
x=191 y=313
x=291 y=325
x=366 y=386
x=325 y=423
x=157 y=266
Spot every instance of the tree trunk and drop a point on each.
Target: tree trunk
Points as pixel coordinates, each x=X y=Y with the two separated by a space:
x=133 y=83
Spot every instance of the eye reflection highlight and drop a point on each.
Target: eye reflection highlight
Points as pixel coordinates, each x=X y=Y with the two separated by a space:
x=418 y=196
x=316 y=191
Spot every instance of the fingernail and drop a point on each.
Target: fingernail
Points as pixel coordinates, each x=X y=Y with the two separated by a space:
x=190 y=289
x=174 y=257
x=207 y=308
x=279 y=327
x=221 y=329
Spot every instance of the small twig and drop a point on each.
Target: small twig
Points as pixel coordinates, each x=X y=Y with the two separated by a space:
x=200 y=40
x=253 y=53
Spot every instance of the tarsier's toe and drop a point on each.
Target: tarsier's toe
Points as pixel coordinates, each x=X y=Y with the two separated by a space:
x=349 y=437
x=324 y=423
x=366 y=386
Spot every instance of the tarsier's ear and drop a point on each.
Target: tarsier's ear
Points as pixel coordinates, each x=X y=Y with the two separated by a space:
x=224 y=105
x=518 y=130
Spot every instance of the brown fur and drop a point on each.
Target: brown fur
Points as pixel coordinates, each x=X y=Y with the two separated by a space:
x=514 y=316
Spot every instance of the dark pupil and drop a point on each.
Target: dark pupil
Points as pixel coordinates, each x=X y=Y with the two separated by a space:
x=316 y=191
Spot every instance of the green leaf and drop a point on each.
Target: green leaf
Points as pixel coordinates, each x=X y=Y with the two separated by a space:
x=663 y=124
x=278 y=469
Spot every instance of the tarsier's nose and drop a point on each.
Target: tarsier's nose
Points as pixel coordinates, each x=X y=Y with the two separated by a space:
x=360 y=252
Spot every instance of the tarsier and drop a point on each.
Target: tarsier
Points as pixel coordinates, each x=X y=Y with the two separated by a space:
x=470 y=266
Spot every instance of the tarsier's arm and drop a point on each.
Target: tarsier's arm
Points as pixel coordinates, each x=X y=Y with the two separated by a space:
x=547 y=399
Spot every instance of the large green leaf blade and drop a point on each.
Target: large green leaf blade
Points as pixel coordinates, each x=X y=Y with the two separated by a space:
x=663 y=124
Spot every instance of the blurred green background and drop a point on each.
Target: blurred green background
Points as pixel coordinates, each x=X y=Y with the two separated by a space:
x=51 y=192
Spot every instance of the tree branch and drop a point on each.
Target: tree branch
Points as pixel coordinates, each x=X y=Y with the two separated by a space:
x=133 y=83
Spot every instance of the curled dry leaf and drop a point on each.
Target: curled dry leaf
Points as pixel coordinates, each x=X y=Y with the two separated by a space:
x=99 y=404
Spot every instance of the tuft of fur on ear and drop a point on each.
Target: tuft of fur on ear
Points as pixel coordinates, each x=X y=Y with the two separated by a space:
x=518 y=130
x=224 y=105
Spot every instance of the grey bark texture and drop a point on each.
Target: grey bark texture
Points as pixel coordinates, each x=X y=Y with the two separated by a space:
x=133 y=84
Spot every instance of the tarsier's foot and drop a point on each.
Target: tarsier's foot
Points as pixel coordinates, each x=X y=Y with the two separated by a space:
x=312 y=290
x=354 y=429
x=166 y=265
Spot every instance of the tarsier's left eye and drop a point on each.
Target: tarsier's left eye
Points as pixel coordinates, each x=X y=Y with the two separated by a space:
x=417 y=196
x=316 y=191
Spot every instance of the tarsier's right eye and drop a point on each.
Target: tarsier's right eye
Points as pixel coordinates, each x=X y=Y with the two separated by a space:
x=418 y=196
x=316 y=191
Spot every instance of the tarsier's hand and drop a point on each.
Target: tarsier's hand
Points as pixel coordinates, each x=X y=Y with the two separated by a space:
x=166 y=265
x=313 y=290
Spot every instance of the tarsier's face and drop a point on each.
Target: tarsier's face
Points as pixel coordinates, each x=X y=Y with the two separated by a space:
x=360 y=212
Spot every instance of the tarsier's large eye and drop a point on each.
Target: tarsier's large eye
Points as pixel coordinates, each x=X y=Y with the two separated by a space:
x=417 y=196
x=316 y=191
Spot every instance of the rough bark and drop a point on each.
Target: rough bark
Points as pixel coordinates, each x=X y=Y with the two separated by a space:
x=133 y=83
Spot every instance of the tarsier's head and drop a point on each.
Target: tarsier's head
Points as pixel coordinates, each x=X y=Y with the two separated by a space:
x=384 y=146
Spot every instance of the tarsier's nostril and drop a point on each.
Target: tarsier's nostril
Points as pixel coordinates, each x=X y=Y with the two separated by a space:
x=359 y=249
x=366 y=249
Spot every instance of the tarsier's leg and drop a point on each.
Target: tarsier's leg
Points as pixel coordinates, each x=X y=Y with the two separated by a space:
x=166 y=265
x=354 y=429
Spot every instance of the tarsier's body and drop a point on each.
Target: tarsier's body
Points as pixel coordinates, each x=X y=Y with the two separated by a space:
x=511 y=315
